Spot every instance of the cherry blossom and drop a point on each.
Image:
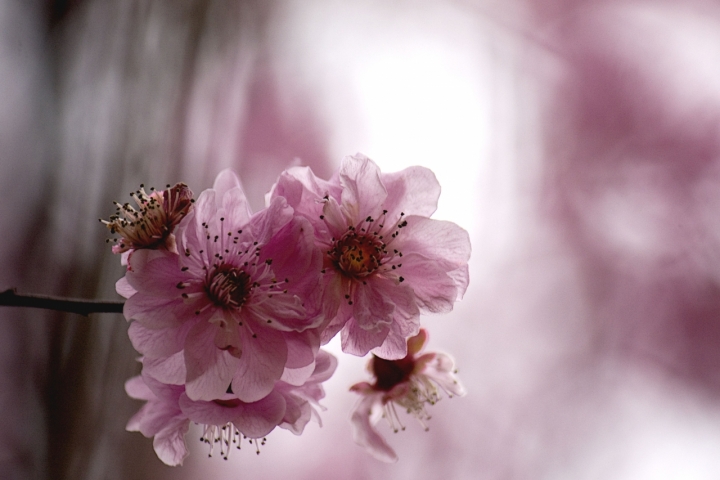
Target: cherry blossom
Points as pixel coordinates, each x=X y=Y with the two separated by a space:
x=385 y=260
x=152 y=225
x=410 y=383
x=236 y=307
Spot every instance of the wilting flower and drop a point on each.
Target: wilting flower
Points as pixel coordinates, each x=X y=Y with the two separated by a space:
x=384 y=259
x=151 y=225
x=226 y=420
x=236 y=307
x=410 y=383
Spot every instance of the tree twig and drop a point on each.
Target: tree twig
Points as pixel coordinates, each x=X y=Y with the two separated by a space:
x=10 y=298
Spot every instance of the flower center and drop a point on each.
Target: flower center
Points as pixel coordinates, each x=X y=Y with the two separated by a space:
x=229 y=287
x=151 y=223
x=392 y=372
x=357 y=255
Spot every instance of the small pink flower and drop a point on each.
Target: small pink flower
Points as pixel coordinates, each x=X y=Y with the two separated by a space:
x=385 y=260
x=239 y=304
x=409 y=383
x=152 y=225
x=226 y=420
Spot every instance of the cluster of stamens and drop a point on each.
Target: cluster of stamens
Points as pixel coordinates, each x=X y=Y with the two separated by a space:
x=226 y=436
x=232 y=274
x=365 y=249
x=152 y=221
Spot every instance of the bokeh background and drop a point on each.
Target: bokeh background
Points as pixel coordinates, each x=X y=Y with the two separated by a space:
x=577 y=141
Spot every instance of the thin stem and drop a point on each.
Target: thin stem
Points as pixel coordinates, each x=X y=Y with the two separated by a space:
x=10 y=298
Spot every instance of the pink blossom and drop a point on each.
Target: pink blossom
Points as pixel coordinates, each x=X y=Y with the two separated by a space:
x=237 y=306
x=152 y=225
x=385 y=260
x=225 y=420
x=409 y=383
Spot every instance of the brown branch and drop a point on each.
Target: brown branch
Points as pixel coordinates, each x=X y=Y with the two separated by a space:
x=10 y=298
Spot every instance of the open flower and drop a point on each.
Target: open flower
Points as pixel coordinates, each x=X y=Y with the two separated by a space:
x=151 y=225
x=237 y=306
x=385 y=260
x=410 y=383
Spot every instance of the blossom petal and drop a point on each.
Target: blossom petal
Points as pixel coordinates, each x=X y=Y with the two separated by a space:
x=364 y=192
x=365 y=434
x=169 y=443
x=169 y=370
x=413 y=191
x=262 y=363
x=435 y=239
x=158 y=342
x=435 y=290
x=358 y=341
x=209 y=369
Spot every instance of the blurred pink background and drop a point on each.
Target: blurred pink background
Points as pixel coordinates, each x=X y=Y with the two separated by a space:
x=577 y=141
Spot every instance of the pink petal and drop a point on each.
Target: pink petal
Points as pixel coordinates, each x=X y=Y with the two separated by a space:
x=209 y=369
x=158 y=342
x=435 y=239
x=364 y=432
x=372 y=309
x=364 y=192
x=435 y=290
x=123 y=288
x=169 y=370
x=393 y=348
x=169 y=443
x=358 y=341
x=413 y=191
x=262 y=363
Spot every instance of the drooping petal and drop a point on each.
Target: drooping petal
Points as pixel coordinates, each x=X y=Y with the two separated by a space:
x=364 y=432
x=169 y=443
x=358 y=341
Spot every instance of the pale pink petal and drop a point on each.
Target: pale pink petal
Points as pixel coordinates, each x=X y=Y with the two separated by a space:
x=169 y=370
x=442 y=371
x=364 y=192
x=123 y=288
x=254 y=419
x=262 y=363
x=301 y=347
x=413 y=191
x=364 y=432
x=435 y=290
x=372 y=309
x=434 y=239
x=393 y=348
x=158 y=342
x=266 y=223
x=209 y=369
x=137 y=389
x=358 y=341
x=297 y=376
x=169 y=443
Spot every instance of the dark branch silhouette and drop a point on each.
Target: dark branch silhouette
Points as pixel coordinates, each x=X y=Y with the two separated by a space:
x=10 y=298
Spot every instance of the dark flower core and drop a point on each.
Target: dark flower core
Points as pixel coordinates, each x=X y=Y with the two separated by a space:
x=357 y=255
x=392 y=372
x=229 y=287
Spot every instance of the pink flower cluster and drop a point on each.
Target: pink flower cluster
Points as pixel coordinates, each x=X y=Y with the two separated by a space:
x=229 y=308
